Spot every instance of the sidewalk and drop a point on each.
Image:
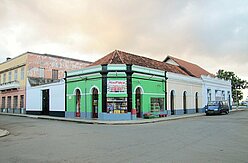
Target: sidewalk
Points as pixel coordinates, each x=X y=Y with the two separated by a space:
x=129 y=122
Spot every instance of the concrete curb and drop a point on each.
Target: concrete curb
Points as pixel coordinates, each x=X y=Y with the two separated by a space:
x=131 y=122
x=3 y=133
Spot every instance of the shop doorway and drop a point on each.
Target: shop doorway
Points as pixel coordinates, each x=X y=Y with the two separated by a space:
x=78 y=101
x=94 y=103
x=172 y=102
x=45 y=102
x=184 y=102
x=138 y=102
x=196 y=103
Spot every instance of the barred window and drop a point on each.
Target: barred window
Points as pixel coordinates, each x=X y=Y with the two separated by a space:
x=15 y=103
x=55 y=74
x=9 y=102
x=3 y=102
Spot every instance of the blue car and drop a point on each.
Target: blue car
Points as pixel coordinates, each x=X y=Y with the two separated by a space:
x=217 y=107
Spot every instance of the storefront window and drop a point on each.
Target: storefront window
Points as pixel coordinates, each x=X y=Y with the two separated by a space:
x=157 y=104
x=117 y=105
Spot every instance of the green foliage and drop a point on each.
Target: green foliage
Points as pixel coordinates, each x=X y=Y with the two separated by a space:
x=237 y=83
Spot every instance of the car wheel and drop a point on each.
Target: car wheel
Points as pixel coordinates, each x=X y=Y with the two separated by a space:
x=227 y=112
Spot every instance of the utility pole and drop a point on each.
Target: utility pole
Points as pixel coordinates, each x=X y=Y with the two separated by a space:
x=237 y=99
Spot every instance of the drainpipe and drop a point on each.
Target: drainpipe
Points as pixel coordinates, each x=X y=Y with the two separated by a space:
x=129 y=73
x=165 y=91
x=85 y=99
x=104 y=74
x=65 y=78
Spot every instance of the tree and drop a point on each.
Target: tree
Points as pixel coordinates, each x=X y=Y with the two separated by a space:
x=237 y=83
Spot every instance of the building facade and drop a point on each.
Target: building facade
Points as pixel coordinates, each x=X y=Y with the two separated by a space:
x=215 y=89
x=115 y=92
x=15 y=72
x=123 y=86
x=200 y=86
x=45 y=97
x=184 y=94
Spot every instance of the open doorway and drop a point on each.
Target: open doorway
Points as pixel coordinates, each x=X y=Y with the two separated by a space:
x=78 y=97
x=94 y=103
x=172 y=102
x=45 y=102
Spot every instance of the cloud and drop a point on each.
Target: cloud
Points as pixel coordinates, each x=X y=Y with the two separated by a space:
x=212 y=34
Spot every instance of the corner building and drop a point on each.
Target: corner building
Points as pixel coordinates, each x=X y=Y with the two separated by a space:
x=119 y=86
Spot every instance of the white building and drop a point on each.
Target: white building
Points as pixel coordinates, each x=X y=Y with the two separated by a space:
x=45 y=97
x=215 y=89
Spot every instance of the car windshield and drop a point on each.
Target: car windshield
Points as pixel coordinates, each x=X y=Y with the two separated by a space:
x=213 y=103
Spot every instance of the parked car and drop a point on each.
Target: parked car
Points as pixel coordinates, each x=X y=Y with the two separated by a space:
x=217 y=107
x=244 y=103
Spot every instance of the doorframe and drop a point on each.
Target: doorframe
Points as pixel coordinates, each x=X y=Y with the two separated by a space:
x=196 y=103
x=184 y=102
x=95 y=111
x=172 y=102
x=138 y=111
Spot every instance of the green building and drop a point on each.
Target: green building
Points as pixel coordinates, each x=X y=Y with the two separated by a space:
x=119 y=86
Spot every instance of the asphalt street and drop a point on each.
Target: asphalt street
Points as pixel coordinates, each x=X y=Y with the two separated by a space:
x=200 y=139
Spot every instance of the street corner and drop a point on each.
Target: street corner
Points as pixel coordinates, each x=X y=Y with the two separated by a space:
x=4 y=133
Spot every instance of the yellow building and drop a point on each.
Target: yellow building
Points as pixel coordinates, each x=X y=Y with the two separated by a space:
x=15 y=72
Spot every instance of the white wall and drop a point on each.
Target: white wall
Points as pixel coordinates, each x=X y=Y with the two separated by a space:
x=215 y=84
x=56 y=96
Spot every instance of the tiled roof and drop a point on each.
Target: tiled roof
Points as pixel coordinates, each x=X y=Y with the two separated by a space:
x=120 y=57
x=190 y=68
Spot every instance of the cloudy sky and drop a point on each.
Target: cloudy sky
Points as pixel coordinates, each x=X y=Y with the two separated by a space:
x=212 y=34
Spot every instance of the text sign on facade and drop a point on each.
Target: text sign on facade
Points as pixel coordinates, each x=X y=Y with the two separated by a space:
x=117 y=86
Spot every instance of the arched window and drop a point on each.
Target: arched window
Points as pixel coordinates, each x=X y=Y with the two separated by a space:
x=172 y=102
x=78 y=97
x=184 y=102
x=196 y=103
x=138 y=102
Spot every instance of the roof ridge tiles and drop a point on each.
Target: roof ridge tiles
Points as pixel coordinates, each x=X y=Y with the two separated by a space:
x=119 y=54
x=121 y=57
